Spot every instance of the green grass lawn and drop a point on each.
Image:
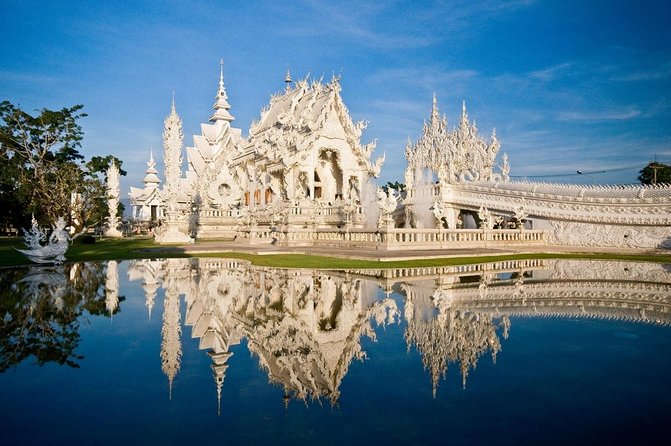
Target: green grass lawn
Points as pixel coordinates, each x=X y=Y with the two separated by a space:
x=115 y=249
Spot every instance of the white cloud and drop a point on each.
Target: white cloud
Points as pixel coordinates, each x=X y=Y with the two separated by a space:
x=25 y=77
x=550 y=73
x=599 y=115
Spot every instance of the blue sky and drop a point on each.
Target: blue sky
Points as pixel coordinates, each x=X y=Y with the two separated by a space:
x=568 y=85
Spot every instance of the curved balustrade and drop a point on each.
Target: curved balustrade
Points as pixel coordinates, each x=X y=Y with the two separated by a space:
x=396 y=238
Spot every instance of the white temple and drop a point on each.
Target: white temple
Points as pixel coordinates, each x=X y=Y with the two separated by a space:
x=302 y=177
x=302 y=165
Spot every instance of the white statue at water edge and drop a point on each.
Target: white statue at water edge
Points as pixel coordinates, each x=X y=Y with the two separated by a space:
x=43 y=250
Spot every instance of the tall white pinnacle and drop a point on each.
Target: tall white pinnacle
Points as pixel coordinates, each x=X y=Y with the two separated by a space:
x=434 y=110
x=221 y=105
x=172 y=156
x=172 y=160
x=221 y=91
x=287 y=80
x=113 y=200
x=464 y=117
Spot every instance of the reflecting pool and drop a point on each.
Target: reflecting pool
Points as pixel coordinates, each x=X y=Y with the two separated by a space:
x=216 y=350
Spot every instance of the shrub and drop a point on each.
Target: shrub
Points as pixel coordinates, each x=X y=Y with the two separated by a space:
x=85 y=240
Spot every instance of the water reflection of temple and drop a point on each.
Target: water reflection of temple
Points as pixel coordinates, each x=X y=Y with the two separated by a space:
x=306 y=326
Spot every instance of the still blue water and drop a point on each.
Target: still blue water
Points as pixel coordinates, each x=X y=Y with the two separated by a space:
x=555 y=380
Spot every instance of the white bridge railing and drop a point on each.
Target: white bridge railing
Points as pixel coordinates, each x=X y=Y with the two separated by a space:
x=395 y=238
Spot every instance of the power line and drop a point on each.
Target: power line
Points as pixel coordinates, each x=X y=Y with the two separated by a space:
x=592 y=172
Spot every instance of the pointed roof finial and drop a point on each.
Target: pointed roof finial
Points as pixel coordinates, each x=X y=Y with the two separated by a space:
x=287 y=80
x=221 y=105
x=151 y=178
x=221 y=76
x=464 y=116
x=434 y=109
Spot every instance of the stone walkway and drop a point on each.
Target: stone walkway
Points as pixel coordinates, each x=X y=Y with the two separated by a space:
x=382 y=255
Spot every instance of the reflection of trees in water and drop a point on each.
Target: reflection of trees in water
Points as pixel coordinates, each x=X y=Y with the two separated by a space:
x=40 y=309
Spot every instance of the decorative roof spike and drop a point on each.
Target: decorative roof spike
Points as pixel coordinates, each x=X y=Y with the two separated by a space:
x=221 y=91
x=464 y=115
x=434 y=109
x=287 y=80
x=151 y=178
x=221 y=105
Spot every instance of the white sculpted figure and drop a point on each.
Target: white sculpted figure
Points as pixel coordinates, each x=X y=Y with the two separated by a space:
x=354 y=192
x=301 y=187
x=53 y=250
x=439 y=212
x=485 y=218
x=520 y=215
x=386 y=201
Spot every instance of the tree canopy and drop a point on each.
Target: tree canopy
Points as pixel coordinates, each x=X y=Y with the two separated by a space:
x=42 y=172
x=655 y=173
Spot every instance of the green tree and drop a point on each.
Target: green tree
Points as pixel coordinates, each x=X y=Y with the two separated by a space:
x=397 y=186
x=42 y=171
x=655 y=173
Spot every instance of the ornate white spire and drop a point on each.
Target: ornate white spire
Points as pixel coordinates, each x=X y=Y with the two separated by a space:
x=464 y=115
x=172 y=160
x=151 y=178
x=454 y=156
x=434 y=109
x=172 y=156
x=287 y=80
x=221 y=105
x=113 y=200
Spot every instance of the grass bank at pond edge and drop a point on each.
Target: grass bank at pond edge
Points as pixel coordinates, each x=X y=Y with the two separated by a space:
x=124 y=249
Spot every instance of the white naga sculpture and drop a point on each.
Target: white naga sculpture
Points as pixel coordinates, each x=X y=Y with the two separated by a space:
x=53 y=250
x=113 y=200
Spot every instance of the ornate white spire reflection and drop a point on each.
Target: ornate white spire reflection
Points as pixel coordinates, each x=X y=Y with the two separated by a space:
x=171 y=332
x=112 y=287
